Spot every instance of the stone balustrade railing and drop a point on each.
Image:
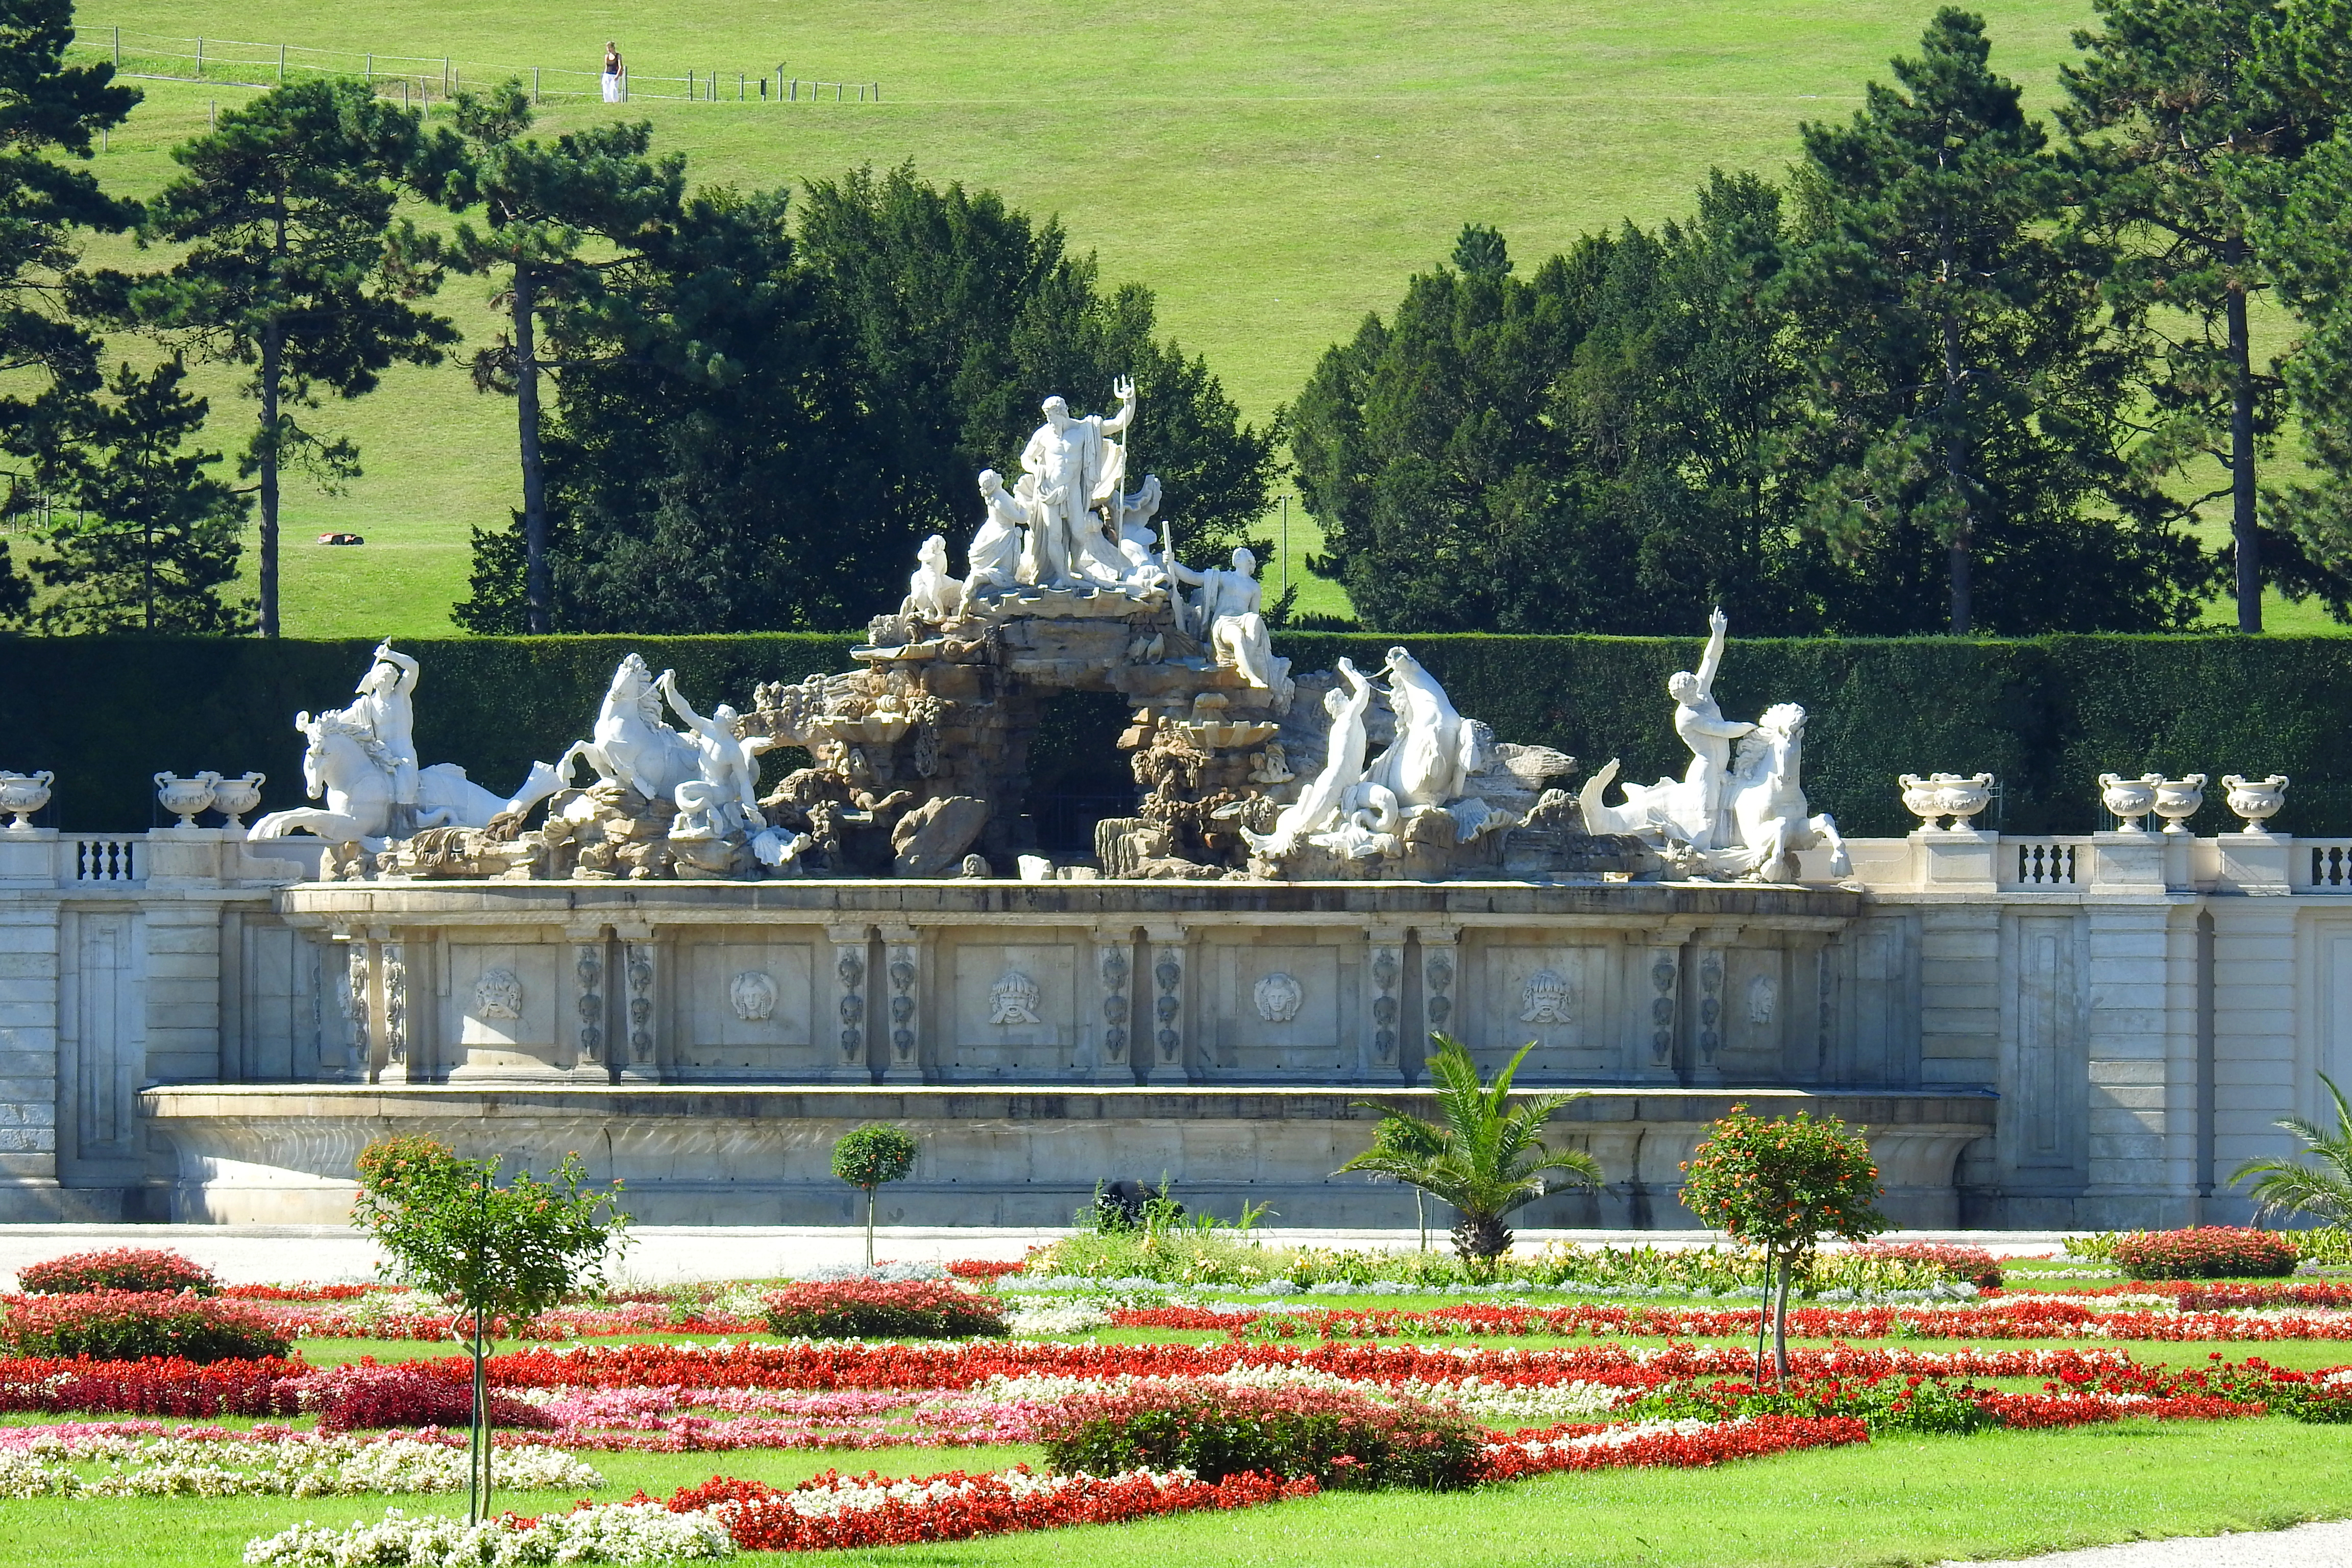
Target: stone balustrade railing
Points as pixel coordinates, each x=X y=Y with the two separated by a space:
x=167 y=857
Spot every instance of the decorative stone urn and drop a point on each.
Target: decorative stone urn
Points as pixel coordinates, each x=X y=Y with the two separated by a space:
x=24 y=794
x=1954 y=795
x=186 y=798
x=234 y=797
x=2178 y=800
x=2255 y=801
x=2130 y=799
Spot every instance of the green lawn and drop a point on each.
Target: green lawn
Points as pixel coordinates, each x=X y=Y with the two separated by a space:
x=1898 y=1500
x=1273 y=173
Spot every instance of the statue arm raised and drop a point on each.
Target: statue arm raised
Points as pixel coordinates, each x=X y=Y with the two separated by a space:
x=1717 y=626
x=1112 y=424
x=684 y=710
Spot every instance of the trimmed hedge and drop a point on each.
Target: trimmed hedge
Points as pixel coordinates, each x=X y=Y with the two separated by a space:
x=2046 y=715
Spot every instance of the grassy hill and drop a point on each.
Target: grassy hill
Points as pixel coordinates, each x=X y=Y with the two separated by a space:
x=1273 y=171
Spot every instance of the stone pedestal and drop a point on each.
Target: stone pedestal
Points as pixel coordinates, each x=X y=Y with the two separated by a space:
x=2256 y=863
x=1957 y=862
x=2127 y=862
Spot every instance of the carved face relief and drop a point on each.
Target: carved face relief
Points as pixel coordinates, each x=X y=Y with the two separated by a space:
x=1012 y=1000
x=1548 y=997
x=1279 y=996
x=497 y=995
x=752 y=995
x=1763 y=996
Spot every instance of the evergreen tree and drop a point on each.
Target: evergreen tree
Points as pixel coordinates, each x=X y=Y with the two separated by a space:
x=2168 y=95
x=1968 y=406
x=540 y=204
x=2301 y=217
x=963 y=314
x=50 y=116
x=293 y=267
x=153 y=544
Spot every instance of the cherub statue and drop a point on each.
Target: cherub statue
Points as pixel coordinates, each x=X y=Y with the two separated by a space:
x=932 y=594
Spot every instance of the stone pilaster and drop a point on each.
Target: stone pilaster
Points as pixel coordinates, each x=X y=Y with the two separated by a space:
x=1170 y=947
x=588 y=1019
x=1708 y=964
x=1111 y=1030
x=392 y=1010
x=29 y=985
x=1441 y=967
x=1383 y=1052
x=640 y=977
x=902 y=1023
x=1659 y=972
x=852 y=961
x=2134 y=1179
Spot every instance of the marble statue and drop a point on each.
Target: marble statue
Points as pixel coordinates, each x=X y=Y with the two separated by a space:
x=362 y=759
x=1135 y=539
x=1435 y=750
x=631 y=744
x=722 y=803
x=1229 y=610
x=993 y=559
x=1317 y=807
x=1741 y=814
x=1077 y=466
x=932 y=594
x=343 y=762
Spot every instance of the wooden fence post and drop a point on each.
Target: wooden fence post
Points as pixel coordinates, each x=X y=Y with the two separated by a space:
x=282 y=65
x=118 y=48
x=200 y=58
x=534 y=84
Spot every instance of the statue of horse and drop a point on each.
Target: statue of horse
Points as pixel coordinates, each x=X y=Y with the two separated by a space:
x=631 y=743
x=1767 y=805
x=337 y=763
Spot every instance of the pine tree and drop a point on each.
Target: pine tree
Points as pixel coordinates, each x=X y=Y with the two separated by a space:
x=294 y=268
x=1967 y=404
x=2168 y=96
x=2301 y=217
x=154 y=543
x=540 y=204
x=50 y=116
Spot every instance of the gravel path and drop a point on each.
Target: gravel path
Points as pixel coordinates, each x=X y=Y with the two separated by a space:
x=2305 y=1546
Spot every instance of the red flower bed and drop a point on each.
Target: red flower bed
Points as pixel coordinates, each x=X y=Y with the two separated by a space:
x=157 y=1387
x=830 y=1367
x=1587 y=1449
x=300 y=1292
x=954 y=1506
x=369 y=1397
x=983 y=1268
x=125 y=1325
x=2209 y=1252
x=1973 y=1264
x=117 y=1268
x=2198 y=1297
x=875 y=1309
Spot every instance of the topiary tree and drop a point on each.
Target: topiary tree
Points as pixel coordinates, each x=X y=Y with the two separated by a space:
x=868 y=1156
x=1488 y=1159
x=1782 y=1185
x=496 y=1251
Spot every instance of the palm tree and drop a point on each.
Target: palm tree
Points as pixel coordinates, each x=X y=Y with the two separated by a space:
x=1487 y=1159
x=2289 y=1186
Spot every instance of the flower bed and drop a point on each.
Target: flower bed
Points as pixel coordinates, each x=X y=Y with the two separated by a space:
x=1972 y=1264
x=415 y=1394
x=1676 y=1444
x=904 y=1308
x=616 y=1533
x=123 y=1325
x=164 y=1386
x=292 y=1464
x=137 y=1268
x=2210 y=1252
x=833 y=1511
x=1340 y=1435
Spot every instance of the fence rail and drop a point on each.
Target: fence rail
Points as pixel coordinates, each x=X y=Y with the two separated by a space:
x=428 y=79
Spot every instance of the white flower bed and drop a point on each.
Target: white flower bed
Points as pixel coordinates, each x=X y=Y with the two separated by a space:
x=301 y=1465
x=614 y=1533
x=1056 y=1318
x=849 y=1494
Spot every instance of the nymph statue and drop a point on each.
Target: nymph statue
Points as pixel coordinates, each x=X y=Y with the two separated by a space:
x=1229 y=610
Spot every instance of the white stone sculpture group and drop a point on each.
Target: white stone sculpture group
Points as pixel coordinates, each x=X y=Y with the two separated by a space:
x=1738 y=813
x=1068 y=527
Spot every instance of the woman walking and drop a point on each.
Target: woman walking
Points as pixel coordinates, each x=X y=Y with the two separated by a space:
x=617 y=75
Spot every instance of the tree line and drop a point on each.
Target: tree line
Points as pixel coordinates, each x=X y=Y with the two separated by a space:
x=1956 y=372
x=735 y=410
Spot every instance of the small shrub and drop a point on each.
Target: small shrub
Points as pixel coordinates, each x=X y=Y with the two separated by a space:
x=122 y=1325
x=2330 y=1246
x=1973 y=1264
x=2210 y=1252
x=138 y=1268
x=882 y=1309
x=366 y=1397
x=1342 y=1438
